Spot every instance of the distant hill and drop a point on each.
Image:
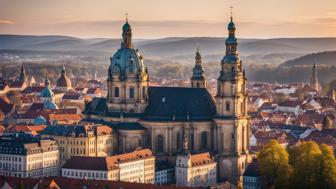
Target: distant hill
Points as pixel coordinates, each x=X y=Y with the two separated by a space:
x=20 y=41
x=169 y=47
x=321 y=58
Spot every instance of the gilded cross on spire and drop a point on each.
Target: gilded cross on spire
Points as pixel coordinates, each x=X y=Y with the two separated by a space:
x=126 y=14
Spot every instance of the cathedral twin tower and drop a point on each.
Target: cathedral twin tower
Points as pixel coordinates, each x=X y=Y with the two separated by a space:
x=161 y=118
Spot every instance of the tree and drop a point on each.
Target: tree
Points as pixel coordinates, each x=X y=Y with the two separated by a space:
x=280 y=97
x=273 y=162
x=14 y=97
x=305 y=159
x=301 y=94
x=328 y=167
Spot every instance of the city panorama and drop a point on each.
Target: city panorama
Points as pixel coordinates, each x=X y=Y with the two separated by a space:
x=209 y=99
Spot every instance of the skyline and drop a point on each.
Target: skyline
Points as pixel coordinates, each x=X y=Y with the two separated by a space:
x=85 y=19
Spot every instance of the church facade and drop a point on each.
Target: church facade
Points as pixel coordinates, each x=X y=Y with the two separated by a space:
x=160 y=118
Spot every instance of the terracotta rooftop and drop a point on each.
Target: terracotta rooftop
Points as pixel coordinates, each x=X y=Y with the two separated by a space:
x=68 y=183
x=201 y=159
x=106 y=163
x=26 y=128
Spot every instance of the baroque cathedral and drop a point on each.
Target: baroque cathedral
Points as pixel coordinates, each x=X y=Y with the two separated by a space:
x=161 y=118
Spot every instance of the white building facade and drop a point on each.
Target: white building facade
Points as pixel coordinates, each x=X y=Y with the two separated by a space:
x=198 y=170
x=137 y=166
x=33 y=159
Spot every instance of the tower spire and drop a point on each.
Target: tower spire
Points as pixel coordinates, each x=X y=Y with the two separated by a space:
x=314 y=78
x=63 y=70
x=198 y=79
x=231 y=8
x=126 y=34
x=22 y=76
x=46 y=81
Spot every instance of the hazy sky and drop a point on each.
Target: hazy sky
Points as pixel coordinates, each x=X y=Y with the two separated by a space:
x=162 y=18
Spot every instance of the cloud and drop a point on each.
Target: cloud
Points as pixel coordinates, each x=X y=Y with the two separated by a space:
x=314 y=27
x=6 y=22
x=326 y=20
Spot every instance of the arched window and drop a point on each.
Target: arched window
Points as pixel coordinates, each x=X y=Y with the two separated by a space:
x=131 y=69
x=116 y=91
x=198 y=85
x=232 y=69
x=227 y=106
x=243 y=138
x=131 y=92
x=204 y=140
x=178 y=141
x=160 y=143
x=143 y=92
x=241 y=108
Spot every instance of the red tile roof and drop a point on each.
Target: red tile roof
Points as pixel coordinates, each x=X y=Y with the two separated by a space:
x=201 y=159
x=67 y=183
x=106 y=163
x=34 y=129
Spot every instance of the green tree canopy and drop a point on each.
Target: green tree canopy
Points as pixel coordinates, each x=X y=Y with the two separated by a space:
x=273 y=162
x=305 y=159
x=328 y=167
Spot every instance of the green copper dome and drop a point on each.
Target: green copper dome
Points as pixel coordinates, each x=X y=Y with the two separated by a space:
x=126 y=61
x=126 y=27
x=231 y=25
x=50 y=105
x=47 y=93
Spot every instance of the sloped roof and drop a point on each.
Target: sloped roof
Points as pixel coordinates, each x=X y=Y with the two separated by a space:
x=67 y=183
x=5 y=107
x=167 y=103
x=87 y=163
x=96 y=106
x=201 y=159
x=37 y=107
x=106 y=163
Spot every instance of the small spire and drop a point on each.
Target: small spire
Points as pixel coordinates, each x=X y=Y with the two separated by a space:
x=63 y=70
x=46 y=81
x=231 y=12
x=126 y=14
